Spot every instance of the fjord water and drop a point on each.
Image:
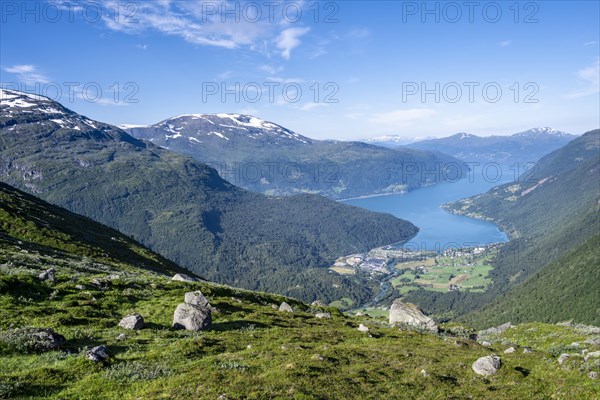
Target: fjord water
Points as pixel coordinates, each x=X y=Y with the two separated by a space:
x=439 y=229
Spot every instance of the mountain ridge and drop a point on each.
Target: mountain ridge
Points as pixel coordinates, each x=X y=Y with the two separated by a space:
x=266 y=157
x=182 y=208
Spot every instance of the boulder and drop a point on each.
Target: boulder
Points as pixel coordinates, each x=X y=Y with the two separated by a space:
x=318 y=303
x=486 y=344
x=411 y=315
x=509 y=350
x=488 y=365
x=121 y=337
x=321 y=315
x=48 y=275
x=527 y=350
x=184 y=278
x=593 y=375
x=196 y=299
x=192 y=318
x=562 y=358
x=363 y=328
x=285 y=307
x=98 y=354
x=134 y=321
x=495 y=330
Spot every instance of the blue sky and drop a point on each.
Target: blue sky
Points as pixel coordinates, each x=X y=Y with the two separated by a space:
x=342 y=70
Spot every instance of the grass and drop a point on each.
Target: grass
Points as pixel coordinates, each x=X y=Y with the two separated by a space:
x=253 y=350
x=437 y=273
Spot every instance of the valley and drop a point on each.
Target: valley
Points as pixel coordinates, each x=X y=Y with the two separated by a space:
x=303 y=200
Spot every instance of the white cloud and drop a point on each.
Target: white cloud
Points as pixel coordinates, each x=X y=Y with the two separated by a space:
x=203 y=23
x=402 y=118
x=590 y=77
x=284 y=80
x=505 y=43
x=360 y=33
x=27 y=74
x=269 y=69
x=289 y=39
x=312 y=106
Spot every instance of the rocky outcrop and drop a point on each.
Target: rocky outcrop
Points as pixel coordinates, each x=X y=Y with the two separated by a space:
x=285 y=307
x=98 y=354
x=488 y=365
x=184 y=278
x=495 y=330
x=411 y=315
x=193 y=315
x=134 y=321
x=196 y=299
x=48 y=275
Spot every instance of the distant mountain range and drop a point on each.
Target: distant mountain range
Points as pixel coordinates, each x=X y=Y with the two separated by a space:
x=394 y=141
x=266 y=157
x=522 y=147
x=182 y=208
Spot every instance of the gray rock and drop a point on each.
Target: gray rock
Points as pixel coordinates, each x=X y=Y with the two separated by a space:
x=48 y=275
x=486 y=344
x=509 y=350
x=527 y=350
x=411 y=315
x=285 y=307
x=196 y=299
x=192 y=318
x=121 y=337
x=563 y=357
x=593 y=375
x=595 y=341
x=360 y=314
x=321 y=315
x=113 y=277
x=80 y=287
x=488 y=365
x=495 y=330
x=363 y=328
x=134 y=321
x=184 y=278
x=318 y=303
x=98 y=354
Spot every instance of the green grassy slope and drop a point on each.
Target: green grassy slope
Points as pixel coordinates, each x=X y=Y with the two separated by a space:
x=253 y=350
x=565 y=289
x=32 y=225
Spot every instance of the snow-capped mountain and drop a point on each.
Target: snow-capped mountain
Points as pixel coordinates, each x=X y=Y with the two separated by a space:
x=523 y=147
x=266 y=157
x=20 y=105
x=195 y=129
x=543 y=132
